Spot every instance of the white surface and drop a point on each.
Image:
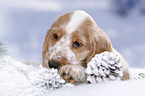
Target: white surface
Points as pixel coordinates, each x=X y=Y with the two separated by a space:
x=114 y=88
x=14 y=82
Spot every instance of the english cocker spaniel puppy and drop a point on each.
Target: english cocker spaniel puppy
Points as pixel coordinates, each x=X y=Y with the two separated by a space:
x=73 y=39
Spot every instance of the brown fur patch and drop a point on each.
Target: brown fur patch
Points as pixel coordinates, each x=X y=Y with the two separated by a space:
x=82 y=35
x=62 y=20
x=56 y=28
x=91 y=38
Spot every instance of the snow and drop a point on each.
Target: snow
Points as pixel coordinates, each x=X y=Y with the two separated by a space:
x=21 y=79
x=130 y=87
x=114 y=88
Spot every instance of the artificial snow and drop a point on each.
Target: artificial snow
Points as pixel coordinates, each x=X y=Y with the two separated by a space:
x=111 y=88
x=18 y=79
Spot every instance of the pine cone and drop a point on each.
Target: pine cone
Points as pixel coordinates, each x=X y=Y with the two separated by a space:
x=104 y=67
x=49 y=78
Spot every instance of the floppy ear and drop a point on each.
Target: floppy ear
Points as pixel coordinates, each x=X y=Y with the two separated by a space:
x=100 y=43
x=45 y=47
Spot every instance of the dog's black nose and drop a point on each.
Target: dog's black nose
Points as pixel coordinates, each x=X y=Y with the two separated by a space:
x=53 y=64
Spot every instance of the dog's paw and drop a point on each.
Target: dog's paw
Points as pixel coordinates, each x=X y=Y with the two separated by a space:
x=73 y=73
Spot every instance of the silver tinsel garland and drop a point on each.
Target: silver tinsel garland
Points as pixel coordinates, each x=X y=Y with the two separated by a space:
x=104 y=67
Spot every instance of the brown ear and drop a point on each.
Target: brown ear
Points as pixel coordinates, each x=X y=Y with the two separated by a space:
x=100 y=43
x=45 y=46
x=103 y=43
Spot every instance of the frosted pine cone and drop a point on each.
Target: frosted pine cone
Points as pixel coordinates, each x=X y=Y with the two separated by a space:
x=104 y=67
x=49 y=78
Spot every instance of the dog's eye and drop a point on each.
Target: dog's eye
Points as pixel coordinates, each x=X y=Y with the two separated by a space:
x=77 y=44
x=55 y=36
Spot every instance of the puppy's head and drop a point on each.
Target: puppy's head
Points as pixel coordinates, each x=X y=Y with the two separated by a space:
x=73 y=39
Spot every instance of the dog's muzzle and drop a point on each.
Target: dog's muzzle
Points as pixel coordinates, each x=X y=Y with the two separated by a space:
x=53 y=64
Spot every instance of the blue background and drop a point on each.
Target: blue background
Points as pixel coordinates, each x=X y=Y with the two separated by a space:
x=23 y=25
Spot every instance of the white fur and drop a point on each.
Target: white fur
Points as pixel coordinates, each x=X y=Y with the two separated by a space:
x=77 y=18
x=63 y=48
